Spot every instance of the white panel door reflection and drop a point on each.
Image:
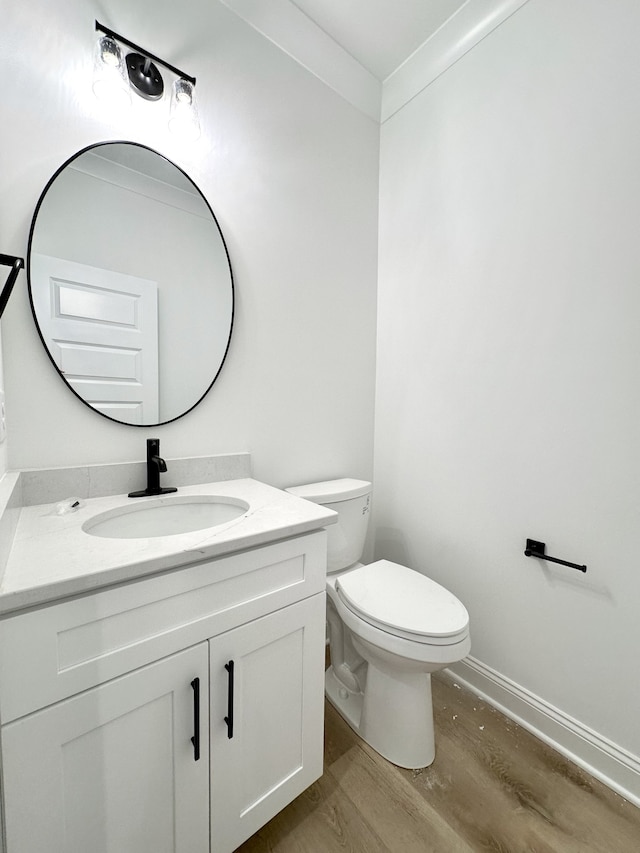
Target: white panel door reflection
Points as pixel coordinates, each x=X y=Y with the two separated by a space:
x=102 y=332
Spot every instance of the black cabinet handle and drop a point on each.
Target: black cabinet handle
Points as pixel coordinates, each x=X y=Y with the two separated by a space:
x=229 y=718
x=195 y=740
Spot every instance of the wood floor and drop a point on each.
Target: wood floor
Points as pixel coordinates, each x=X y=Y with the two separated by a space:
x=492 y=787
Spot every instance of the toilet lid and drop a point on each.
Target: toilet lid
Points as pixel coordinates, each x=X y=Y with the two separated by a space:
x=403 y=602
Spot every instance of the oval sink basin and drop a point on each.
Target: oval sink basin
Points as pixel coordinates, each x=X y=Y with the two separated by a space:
x=166 y=517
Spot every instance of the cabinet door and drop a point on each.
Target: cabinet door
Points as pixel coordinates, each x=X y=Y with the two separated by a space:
x=277 y=705
x=112 y=770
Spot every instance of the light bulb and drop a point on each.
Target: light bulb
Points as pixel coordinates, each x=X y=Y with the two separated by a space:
x=183 y=117
x=110 y=53
x=110 y=83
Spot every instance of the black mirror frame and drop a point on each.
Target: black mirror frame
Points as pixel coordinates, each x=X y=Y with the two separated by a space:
x=14 y=273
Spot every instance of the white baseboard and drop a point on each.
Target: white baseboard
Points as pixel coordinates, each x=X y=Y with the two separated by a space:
x=603 y=759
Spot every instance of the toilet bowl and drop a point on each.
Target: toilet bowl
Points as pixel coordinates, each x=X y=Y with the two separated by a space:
x=389 y=628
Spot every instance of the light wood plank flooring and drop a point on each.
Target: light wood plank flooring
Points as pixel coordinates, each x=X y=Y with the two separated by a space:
x=493 y=787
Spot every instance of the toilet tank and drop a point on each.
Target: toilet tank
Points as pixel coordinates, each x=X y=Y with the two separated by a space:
x=351 y=499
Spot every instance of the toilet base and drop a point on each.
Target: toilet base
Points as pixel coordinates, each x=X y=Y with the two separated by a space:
x=346 y=702
x=393 y=716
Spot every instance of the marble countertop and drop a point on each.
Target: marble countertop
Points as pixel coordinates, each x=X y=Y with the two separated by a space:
x=52 y=557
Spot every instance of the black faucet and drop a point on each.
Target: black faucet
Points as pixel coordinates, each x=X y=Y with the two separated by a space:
x=155 y=466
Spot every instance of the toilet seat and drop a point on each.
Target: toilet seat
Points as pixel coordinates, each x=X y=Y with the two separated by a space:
x=404 y=603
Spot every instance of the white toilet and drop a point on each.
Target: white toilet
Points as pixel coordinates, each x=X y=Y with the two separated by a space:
x=389 y=628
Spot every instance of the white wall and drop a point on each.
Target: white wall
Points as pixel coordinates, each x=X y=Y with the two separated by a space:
x=508 y=384
x=290 y=170
x=4 y=446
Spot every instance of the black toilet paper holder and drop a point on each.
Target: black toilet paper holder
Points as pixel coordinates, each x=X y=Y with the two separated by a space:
x=537 y=549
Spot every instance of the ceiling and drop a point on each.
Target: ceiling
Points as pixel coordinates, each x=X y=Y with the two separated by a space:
x=377 y=54
x=379 y=34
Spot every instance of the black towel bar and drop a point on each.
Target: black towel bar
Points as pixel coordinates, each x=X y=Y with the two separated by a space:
x=16 y=265
x=536 y=549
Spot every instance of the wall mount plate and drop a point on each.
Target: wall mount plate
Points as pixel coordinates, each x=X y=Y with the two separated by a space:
x=534 y=548
x=144 y=77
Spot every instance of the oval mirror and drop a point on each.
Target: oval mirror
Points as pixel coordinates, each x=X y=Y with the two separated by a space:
x=130 y=283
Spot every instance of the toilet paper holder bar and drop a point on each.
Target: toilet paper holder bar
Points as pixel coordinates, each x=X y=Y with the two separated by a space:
x=536 y=549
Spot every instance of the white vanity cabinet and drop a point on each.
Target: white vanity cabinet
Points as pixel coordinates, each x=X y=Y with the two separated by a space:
x=112 y=770
x=267 y=700
x=104 y=699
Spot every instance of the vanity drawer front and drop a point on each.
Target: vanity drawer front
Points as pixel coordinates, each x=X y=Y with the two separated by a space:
x=62 y=649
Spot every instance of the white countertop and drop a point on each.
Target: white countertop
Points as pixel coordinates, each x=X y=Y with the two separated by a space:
x=53 y=558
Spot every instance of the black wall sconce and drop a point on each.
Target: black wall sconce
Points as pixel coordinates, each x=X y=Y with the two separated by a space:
x=16 y=265
x=116 y=74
